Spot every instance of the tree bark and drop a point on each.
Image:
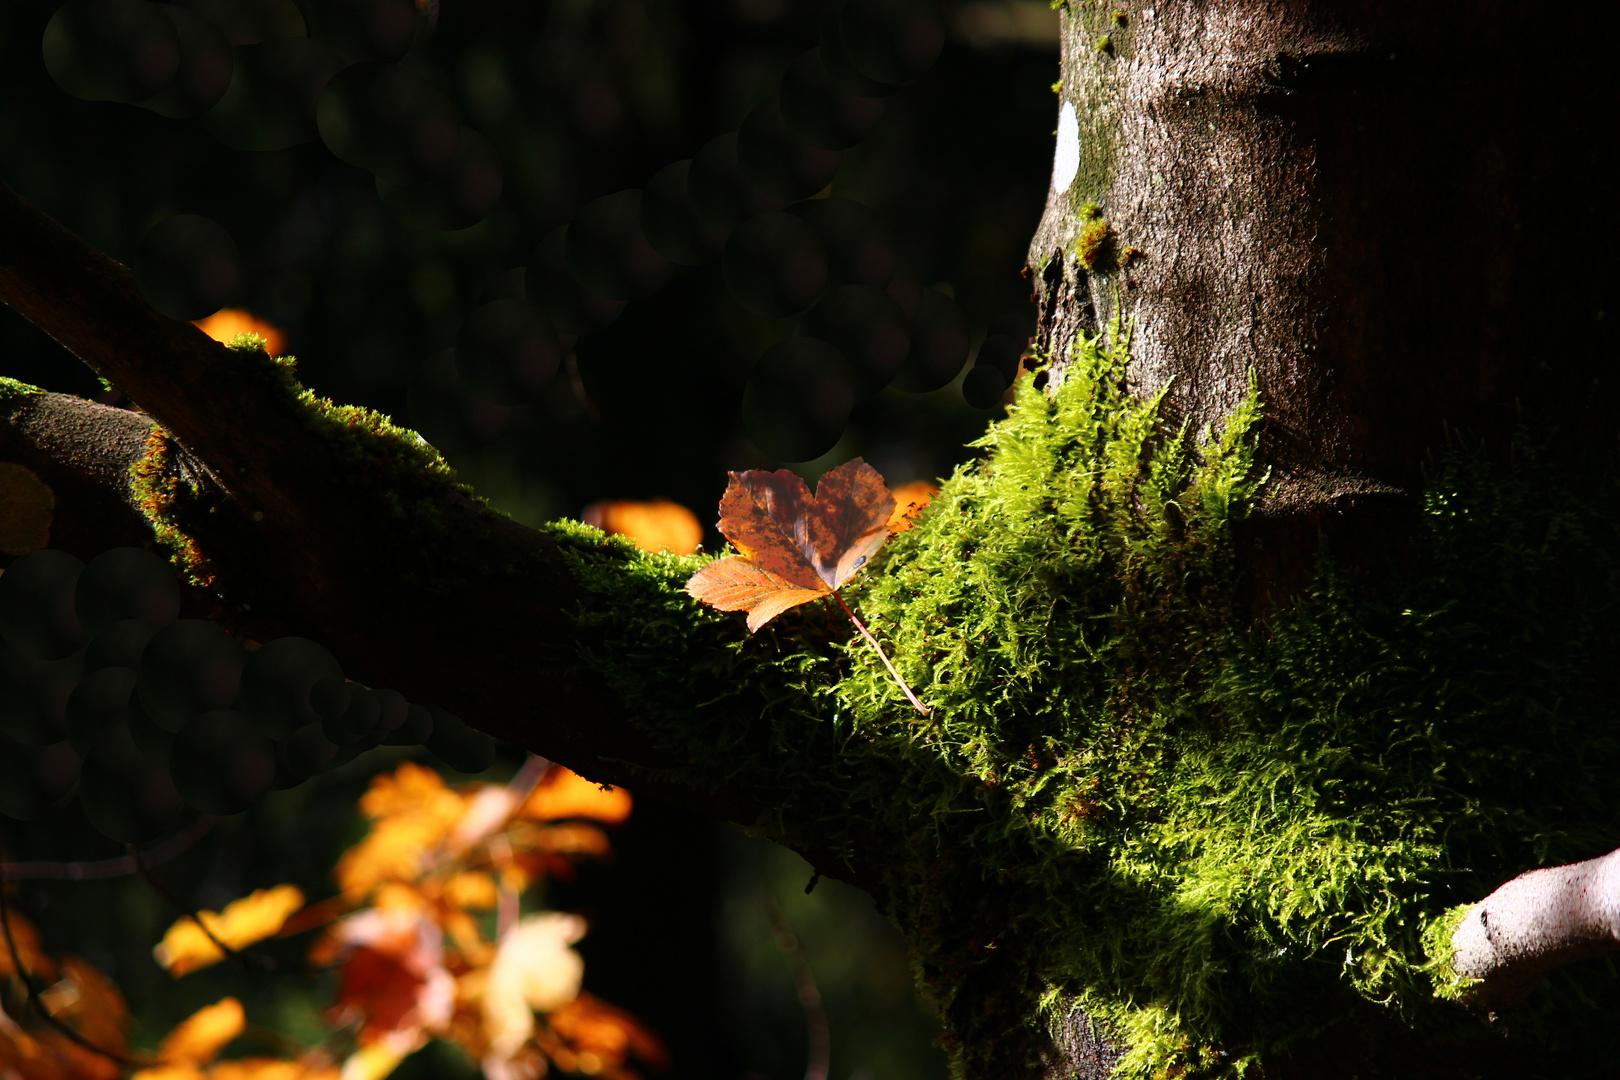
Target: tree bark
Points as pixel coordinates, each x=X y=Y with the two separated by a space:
x=1370 y=206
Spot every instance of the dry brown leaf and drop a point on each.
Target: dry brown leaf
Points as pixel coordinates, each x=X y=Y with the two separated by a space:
x=795 y=547
x=186 y=948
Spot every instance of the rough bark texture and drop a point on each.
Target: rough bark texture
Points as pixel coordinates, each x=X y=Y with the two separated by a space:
x=1369 y=205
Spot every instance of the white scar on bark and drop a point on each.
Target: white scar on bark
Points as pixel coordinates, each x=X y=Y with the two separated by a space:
x=1067 y=165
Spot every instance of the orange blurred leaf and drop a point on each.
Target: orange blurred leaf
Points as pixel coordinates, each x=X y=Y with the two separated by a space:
x=562 y=793
x=228 y=324
x=26 y=938
x=910 y=500
x=198 y=1038
x=414 y=813
x=271 y=1069
x=795 y=546
x=186 y=948
x=592 y=1026
x=393 y=977
x=659 y=525
x=471 y=889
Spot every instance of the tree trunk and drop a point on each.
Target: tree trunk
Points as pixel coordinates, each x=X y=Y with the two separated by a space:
x=1381 y=210
x=1397 y=220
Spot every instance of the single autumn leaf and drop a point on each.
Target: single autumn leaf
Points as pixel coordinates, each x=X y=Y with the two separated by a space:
x=795 y=547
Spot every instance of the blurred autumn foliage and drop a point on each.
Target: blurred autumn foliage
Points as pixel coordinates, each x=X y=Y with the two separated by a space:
x=658 y=525
x=427 y=934
x=228 y=324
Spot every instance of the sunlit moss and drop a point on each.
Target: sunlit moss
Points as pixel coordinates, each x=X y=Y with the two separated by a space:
x=1220 y=837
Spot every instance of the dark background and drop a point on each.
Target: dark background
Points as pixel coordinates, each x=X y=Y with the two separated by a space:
x=579 y=99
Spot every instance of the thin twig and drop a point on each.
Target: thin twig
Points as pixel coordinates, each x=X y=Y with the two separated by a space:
x=818 y=1059
x=240 y=959
x=919 y=706
x=38 y=1006
x=101 y=869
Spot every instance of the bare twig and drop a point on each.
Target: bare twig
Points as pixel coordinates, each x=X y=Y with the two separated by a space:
x=919 y=706
x=101 y=869
x=818 y=1061
x=45 y=1014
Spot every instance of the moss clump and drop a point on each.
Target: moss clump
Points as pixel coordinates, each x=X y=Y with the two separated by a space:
x=11 y=389
x=1105 y=45
x=1094 y=247
x=1222 y=839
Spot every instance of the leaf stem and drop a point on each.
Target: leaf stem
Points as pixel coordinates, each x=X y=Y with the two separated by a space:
x=920 y=707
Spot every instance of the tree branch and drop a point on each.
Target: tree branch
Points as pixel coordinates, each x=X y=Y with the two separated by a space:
x=306 y=519
x=1538 y=922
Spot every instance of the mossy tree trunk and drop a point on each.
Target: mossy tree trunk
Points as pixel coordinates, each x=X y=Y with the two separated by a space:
x=1397 y=218
x=1398 y=215
x=1394 y=216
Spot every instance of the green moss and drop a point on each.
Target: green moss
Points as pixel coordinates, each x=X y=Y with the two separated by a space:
x=1094 y=247
x=11 y=389
x=1105 y=44
x=376 y=464
x=1449 y=983
x=1221 y=838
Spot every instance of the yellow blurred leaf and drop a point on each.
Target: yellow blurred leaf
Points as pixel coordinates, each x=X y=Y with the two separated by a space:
x=186 y=948
x=228 y=324
x=659 y=525
x=26 y=508
x=565 y=794
x=171 y=1072
x=199 y=1037
x=371 y=1063
x=534 y=969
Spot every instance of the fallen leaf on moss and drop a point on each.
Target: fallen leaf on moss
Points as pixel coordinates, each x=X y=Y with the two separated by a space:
x=795 y=547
